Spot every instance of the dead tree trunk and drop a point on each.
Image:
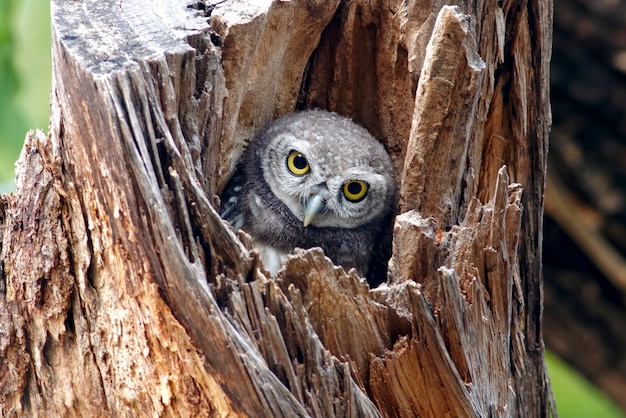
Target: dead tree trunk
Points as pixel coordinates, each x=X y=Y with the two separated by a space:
x=124 y=294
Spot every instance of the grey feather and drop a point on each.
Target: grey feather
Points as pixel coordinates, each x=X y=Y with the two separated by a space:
x=270 y=199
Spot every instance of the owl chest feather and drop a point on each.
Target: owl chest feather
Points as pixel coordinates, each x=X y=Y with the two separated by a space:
x=271 y=223
x=273 y=257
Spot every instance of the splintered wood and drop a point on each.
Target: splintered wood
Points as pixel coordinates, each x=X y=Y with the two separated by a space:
x=123 y=293
x=434 y=171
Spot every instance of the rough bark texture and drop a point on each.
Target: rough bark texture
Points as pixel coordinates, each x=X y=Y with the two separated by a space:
x=585 y=242
x=123 y=293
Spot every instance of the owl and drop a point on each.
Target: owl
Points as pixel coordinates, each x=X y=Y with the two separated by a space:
x=314 y=179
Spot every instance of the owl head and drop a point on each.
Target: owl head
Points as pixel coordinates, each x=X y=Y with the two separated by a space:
x=328 y=171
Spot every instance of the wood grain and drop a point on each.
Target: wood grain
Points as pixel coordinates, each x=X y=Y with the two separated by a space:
x=124 y=294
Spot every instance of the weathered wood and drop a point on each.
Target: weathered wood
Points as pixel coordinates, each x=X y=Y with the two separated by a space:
x=444 y=119
x=472 y=308
x=142 y=301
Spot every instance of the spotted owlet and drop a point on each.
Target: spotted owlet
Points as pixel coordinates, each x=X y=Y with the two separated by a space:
x=313 y=179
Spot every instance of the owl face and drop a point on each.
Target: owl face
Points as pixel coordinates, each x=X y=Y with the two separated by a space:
x=328 y=172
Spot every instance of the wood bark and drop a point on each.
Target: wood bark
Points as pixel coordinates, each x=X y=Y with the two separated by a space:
x=123 y=293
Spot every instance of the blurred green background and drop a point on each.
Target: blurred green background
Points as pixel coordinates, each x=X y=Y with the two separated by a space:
x=25 y=74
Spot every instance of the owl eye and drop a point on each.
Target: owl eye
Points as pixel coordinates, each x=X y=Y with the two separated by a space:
x=297 y=163
x=355 y=190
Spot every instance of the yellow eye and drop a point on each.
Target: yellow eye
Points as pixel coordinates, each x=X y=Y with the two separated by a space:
x=297 y=163
x=354 y=190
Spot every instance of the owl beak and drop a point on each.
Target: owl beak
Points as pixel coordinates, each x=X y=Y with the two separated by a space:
x=313 y=206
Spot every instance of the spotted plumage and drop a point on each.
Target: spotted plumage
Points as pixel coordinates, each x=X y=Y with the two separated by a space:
x=313 y=179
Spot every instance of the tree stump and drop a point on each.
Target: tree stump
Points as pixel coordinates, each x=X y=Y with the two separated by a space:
x=124 y=293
